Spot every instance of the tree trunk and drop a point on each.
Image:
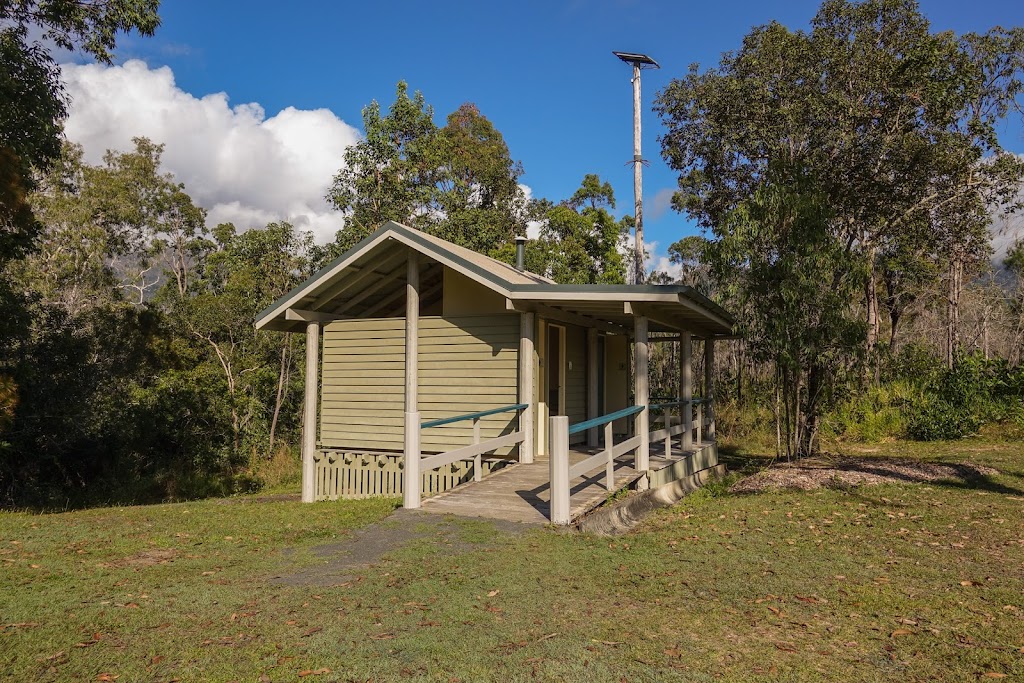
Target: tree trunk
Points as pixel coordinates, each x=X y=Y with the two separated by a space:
x=895 y=315
x=282 y=379
x=954 y=289
x=871 y=304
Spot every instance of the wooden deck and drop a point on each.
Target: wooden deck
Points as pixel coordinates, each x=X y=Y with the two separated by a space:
x=520 y=493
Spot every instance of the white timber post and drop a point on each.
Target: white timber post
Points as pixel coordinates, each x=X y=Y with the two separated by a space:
x=412 y=484
x=478 y=459
x=592 y=407
x=686 y=388
x=641 y=357
x=558 y=429
x=526 y=416
x=709 y=385
x=609 y=448
x=309 y=414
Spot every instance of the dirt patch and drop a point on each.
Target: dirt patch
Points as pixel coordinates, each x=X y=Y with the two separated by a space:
x=145 y=558
x=811 y=474
x=368 y=546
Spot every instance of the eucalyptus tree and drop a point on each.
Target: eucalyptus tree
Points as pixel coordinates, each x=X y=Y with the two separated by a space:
x=32 y=99
x=458 y=181
x=891 y=122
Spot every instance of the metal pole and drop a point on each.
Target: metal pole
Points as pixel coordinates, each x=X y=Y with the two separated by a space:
x=638 y=197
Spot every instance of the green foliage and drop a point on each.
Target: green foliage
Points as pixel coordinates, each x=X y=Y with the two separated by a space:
x=922 y=400
x=936 y=419
x=138 y=374
x=457 y=182
x=579 y=239
x=825 y=161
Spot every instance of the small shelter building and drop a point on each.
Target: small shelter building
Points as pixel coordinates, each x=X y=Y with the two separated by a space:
x=465 y=384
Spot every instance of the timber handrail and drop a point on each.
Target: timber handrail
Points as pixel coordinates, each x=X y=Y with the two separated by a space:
x=687 y=425
x=472 y=416
x=416 y=462
x=562 y=473
x=604 y=419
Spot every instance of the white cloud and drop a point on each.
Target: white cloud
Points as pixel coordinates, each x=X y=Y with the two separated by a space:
x=661 y=203
x=234 y=162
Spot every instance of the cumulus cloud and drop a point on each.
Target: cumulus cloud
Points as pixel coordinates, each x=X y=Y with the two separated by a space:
x=532 y=227
x=234 y=161
x=661 y=203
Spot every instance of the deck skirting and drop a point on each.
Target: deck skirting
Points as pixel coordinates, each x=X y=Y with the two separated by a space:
x=348 y=474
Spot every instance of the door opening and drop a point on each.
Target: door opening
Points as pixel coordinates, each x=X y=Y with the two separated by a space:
x=556 y=370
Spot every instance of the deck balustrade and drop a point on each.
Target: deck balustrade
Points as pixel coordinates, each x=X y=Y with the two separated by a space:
x=563 y=474
x=416 y=463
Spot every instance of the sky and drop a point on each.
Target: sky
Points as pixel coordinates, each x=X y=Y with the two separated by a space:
x=256 y=102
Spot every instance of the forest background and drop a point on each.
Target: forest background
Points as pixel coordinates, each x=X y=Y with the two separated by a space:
x=846 y=178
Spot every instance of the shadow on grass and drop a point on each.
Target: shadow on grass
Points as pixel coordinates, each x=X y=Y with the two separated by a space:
x=742 y=462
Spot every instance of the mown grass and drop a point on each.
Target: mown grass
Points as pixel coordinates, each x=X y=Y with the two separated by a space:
x=898 y=582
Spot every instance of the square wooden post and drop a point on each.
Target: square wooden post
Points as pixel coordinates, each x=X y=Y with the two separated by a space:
x=686 y=389
x=412 y=480
x=709 y=386
x=558 y=449
x=527 y=449
x=592 y=407
x=309 y=412
x=641 y=357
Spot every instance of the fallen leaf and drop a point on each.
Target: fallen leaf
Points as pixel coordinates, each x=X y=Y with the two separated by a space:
x=313 y=672
x=606 y=642
x=901 y=632
x=970 y=583
x=491 y=594
x=107 y=677
x=994 y=674
x=785 y=647
x=311 y=631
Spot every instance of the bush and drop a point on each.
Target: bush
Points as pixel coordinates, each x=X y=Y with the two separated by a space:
x=877 y=414
x=935 y=419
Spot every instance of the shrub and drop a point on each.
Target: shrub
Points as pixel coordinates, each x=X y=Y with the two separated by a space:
x=935 y=419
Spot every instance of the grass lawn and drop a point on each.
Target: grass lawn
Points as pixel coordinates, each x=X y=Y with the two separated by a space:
x=901 y=582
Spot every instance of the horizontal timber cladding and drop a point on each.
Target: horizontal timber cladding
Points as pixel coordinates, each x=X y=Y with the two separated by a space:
x=348 y=474
x=466 y=364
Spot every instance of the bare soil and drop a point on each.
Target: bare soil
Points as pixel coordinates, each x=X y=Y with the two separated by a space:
x=817 y=473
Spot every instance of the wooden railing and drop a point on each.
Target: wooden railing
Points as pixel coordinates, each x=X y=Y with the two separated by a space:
x=562 y=473
x=692 y=426
x=415 y=462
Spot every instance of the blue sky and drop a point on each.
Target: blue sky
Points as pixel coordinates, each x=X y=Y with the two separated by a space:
x=543 y=72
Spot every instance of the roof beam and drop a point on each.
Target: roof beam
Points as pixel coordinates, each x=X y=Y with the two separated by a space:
x=339 y=288
x=300 y=315
x=701 y=310
x=385 y=280
x=391 y=300
x=666 y=319
x=563 y=316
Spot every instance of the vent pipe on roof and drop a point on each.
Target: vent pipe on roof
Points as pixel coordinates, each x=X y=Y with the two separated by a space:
x=521 y=253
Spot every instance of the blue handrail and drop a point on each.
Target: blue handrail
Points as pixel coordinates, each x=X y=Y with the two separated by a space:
x=604 y=419
x=472 y=416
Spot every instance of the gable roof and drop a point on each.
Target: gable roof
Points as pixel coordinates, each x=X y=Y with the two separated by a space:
x=379 y=261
